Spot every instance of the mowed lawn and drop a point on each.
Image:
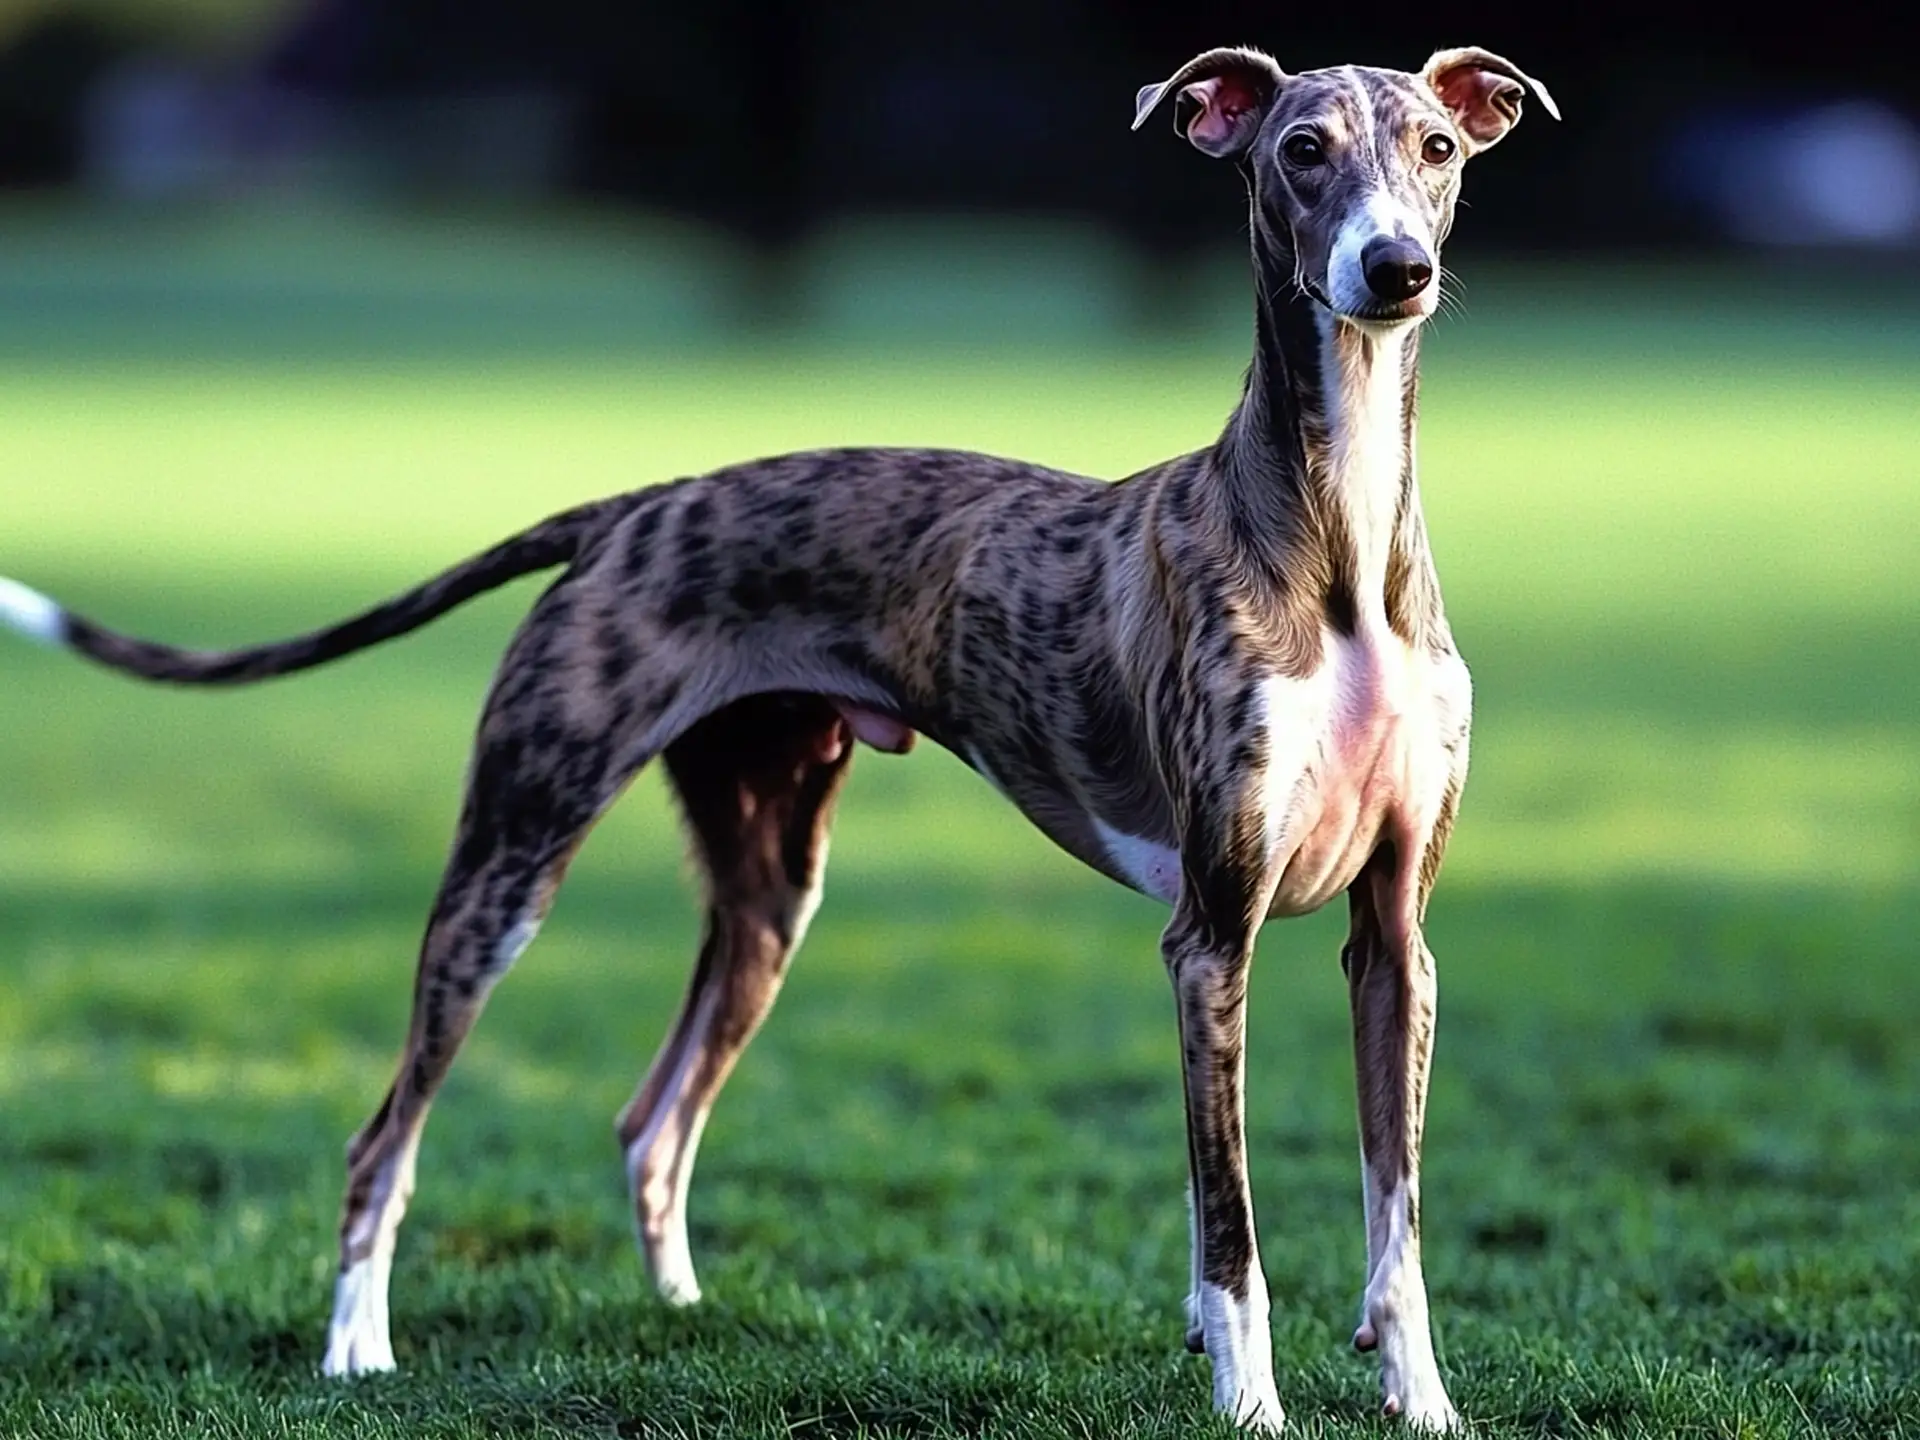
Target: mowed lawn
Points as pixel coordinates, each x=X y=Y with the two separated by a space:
x=1673 y=1173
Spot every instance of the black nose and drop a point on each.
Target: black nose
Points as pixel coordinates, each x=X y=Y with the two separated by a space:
x=1397 y=269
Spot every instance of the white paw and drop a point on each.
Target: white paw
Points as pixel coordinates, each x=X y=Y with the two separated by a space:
x=1410 y=1386
x=1432 y=1413
x=1259 y=1412
x=679 y=1291
x=1393 y=1321
x=358 y=1340
x=670 y=1262
x=1234 y=1332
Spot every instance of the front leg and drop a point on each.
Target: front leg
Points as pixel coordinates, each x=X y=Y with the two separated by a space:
x=1208 y=965
x=1390 y=977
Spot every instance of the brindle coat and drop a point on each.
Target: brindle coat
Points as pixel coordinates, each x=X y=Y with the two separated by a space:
x=1227 y=680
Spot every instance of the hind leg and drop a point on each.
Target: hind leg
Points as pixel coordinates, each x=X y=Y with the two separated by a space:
x=758 y=782
x=541 y=774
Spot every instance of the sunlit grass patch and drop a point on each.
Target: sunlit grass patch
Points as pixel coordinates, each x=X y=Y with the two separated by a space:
x=1670 y=1185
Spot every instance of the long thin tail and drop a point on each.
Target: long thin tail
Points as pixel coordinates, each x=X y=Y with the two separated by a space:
x=554 y=541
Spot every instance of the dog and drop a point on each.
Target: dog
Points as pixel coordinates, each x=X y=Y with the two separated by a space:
x=1226 y=682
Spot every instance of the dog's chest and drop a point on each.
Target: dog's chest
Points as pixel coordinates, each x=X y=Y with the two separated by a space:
x=1359 y=753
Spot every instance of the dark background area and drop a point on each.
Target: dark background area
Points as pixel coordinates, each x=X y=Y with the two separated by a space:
x=772 y=117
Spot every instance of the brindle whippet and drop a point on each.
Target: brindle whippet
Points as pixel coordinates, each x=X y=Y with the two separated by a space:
x=1226 y=682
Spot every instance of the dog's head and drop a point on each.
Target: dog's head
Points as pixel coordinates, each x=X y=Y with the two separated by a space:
x=1355 y=170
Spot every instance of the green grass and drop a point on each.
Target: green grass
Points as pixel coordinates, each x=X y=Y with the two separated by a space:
x=1671 y=1180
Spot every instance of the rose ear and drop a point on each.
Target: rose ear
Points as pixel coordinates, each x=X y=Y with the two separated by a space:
x=1484 y=92
x=1220 y=98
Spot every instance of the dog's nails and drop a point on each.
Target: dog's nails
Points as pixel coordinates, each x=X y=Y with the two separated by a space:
x=1364 y=1339
x=1392 y=1407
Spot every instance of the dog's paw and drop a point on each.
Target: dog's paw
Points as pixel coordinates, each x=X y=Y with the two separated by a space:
x=1419 y=1400
x=1393 y=1323
x=358 y=1340
x=1259 y=1413
x=670 y=1263
x=1436 y=1417
x=679 y=1291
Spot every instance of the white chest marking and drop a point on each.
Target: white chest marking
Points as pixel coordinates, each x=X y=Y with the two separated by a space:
x=1365 y=747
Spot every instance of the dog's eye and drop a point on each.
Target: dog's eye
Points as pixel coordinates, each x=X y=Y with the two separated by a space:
x=1304 y=150
x=1438 y=149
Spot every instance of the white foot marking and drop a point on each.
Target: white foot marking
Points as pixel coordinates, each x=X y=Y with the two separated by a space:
x=671 y=1262
x=31 y=613
x=659 y=1162
x=358 y=1340
x=661 y=1220
x=1393 y=1319
x=1241 y=1348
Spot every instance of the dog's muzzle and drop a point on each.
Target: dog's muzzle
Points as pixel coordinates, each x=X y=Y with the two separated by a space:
x=1396 y=268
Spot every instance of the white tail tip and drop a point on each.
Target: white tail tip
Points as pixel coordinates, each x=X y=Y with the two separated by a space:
x=31 y=613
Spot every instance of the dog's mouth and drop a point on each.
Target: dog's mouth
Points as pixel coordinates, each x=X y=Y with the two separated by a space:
x=1372 y=310
x=1386 y=312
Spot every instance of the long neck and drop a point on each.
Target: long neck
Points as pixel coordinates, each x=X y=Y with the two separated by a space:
x=1364 y=466
x=1316 y=465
